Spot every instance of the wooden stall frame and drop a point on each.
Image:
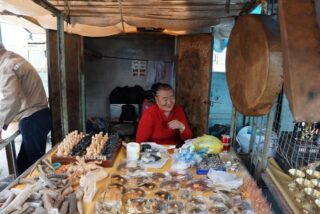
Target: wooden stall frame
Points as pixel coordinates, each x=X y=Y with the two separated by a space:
x=61 y=62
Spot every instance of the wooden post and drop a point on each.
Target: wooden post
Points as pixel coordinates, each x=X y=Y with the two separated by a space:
x=62 y=72
x=83 y=102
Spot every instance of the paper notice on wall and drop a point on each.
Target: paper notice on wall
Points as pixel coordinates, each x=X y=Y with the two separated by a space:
x=139 y=68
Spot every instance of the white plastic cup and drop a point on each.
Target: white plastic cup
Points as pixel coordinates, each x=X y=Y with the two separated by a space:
x=133 y=151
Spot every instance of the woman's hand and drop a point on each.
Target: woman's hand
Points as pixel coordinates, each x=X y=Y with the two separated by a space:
x=176 y=124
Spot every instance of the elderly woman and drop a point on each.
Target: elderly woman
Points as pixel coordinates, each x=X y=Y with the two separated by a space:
x=164 y=123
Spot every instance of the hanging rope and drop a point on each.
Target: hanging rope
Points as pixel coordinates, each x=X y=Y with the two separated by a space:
x=121 y=16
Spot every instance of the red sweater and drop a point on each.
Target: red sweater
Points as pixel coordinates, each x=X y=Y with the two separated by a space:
x=153 y=126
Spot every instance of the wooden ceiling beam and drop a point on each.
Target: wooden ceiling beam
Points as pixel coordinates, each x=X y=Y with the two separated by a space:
x=161 y=2
x=145 y=3
x=158 y=18
x=48 y=6
x=153 y=13
x=176 y=8
x=155 y=16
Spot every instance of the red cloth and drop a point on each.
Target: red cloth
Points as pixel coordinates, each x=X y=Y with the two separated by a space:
x=153 y=126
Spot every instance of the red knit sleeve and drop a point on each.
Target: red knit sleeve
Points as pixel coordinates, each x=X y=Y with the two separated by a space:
x=144 y=131
x=186 y=134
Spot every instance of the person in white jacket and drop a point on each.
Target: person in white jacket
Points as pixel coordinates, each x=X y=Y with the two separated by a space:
x=23 y=99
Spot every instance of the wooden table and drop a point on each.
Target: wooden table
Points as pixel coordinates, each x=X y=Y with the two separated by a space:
x=89 y=208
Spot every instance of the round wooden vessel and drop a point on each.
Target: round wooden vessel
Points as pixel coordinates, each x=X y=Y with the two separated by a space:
x=254 y=64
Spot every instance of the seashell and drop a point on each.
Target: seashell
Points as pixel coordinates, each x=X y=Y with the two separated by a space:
x=309 y=208
x=112 y=196
x=129 y=167
x=297 y=173
x=218 y=207
x=197 y=210
x=137 y=205
x=156 y=205
x=181 y=175
x=134 y=193
x=300 y=196
x=163 y=195
x=316 y=182
x=158 y=176
x=138 y=179
x=197 y=200
x=317 y=202
x=199 y=184
x=148 y=186
x=292 y=186
x=313 y=173
x=170 y=185
x=118 y=179
x=116 y=186
x=175 y=207
x=304 y=182
x=312 y=192
x=220 y=197
x=185 y=193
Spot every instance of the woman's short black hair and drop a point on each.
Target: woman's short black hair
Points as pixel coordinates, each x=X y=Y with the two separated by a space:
x=160 y=86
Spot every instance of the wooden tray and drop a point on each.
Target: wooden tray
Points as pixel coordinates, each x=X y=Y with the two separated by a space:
x=107 y=163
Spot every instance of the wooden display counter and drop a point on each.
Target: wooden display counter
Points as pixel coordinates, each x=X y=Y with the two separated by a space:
x=101 y=185
x=277 y=182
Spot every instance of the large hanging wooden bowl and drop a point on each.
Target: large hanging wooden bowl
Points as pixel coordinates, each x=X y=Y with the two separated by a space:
x=254 y=64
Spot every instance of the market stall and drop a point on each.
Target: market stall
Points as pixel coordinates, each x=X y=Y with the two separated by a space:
x=135 y=187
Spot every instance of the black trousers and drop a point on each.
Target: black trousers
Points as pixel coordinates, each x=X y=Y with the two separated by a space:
x=34 y=130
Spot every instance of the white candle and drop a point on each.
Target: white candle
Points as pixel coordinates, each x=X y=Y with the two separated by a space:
x=133 y=151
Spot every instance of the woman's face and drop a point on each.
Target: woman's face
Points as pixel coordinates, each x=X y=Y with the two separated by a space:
x=165 y=100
